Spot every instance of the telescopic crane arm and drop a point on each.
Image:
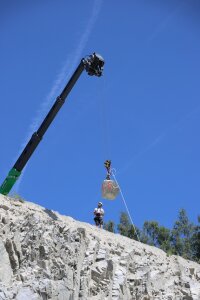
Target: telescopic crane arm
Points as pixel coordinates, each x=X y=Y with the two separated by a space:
x=93 y=65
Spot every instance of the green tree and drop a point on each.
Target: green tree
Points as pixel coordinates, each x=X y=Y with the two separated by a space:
x=109 y=226
x=164 y=238
x=150 y=232
x=125 y=228
x=195 y=241
x=181 y=236
x=124 y=225
x=134 y=233
x=156 y=235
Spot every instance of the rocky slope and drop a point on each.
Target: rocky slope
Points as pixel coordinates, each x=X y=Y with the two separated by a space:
x=44 y=255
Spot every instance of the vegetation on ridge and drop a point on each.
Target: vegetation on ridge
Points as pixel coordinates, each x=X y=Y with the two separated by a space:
x=183 y=239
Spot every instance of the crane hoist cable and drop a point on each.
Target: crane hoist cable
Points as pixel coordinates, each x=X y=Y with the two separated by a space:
x=105 y=114
x=110 y=188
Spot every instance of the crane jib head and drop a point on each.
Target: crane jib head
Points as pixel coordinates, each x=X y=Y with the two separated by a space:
x=93 y=64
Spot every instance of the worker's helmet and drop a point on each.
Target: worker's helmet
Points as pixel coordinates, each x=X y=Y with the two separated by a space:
x=100 y=204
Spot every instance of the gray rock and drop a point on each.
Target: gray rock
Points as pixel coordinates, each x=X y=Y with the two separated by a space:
x=5 y=266
x=26 y=293
x=44 y=255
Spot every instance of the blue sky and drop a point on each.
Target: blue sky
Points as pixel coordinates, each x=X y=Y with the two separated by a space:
x=143 y=114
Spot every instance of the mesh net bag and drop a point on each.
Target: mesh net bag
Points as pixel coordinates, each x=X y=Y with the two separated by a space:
x=110 y=189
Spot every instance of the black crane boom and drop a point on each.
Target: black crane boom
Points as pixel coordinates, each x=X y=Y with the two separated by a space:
x=93 y=64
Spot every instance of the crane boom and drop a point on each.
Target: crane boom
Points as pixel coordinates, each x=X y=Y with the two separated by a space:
x=93 y=65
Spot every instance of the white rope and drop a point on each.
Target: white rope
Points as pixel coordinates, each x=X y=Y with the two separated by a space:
x=112 y=173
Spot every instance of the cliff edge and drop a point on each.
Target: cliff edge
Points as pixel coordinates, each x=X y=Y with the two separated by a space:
x=44 y=255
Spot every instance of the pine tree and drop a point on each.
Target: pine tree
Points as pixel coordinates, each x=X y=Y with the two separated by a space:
x=126 y=228
x=109 y=226
x=150 y=232
x=195 y=241
x=181 y=236
x=124 y=225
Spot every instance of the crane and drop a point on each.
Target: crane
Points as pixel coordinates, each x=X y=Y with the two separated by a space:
x=93 y=65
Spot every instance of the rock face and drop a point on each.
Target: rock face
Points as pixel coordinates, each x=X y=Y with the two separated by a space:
x=44 y=255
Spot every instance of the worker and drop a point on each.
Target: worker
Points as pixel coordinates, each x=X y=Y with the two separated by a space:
x=99 y=213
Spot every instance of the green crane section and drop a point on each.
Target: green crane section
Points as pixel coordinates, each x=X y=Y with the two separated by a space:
x=93 y=64
x=9 y=181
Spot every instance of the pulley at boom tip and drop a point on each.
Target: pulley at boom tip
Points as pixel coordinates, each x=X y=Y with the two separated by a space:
x=93 y=64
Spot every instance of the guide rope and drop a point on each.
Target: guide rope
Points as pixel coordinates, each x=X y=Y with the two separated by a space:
x=113 y=171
